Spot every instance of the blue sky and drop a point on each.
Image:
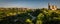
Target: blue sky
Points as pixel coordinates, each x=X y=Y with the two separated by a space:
x=28 y=3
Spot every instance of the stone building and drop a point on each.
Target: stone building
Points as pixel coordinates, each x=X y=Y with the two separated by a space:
x=52 y=7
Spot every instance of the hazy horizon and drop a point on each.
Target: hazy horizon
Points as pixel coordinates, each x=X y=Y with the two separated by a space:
x=29 y=3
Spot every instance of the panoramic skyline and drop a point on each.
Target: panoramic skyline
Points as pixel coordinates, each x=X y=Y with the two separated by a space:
x=29 y=3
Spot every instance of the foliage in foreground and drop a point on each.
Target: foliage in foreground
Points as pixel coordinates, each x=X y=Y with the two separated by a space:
x=42 y=16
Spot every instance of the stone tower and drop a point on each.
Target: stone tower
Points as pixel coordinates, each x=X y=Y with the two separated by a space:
x=48 y=5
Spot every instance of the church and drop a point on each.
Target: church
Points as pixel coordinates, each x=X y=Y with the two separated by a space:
x=52 y=7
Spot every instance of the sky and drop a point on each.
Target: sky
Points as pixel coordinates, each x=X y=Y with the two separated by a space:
x=29 y=3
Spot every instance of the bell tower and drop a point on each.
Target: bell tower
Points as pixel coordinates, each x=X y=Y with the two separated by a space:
x=49 y=6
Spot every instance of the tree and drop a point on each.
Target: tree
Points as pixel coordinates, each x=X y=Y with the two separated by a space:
x=40 y=18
